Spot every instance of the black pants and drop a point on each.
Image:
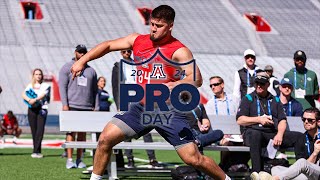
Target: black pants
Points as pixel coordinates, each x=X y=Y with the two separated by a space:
x=146 y=138
x=37 y=119
x=257 y=139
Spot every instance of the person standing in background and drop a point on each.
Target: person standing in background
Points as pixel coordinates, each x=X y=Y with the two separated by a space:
x=104 y=102
x=104 y=98
x=274 y=83
x=37 y=96
x=244 y=77
x=77 y=95
x=305 y=81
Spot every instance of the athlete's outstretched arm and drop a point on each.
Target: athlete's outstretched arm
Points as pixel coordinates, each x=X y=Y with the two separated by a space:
x=183 y=55
x=102 y=49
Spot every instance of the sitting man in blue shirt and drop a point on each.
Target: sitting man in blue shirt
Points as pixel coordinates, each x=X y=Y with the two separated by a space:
x=290 y=105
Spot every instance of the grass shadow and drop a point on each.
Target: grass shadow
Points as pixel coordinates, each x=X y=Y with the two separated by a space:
x=15 y=154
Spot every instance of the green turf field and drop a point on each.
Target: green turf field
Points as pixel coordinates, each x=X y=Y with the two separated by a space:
x=17 y=164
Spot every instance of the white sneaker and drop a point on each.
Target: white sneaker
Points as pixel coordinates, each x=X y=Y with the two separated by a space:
x=14 y=140
x=70 y=164
x=80 y=164
x=265 y=176
x=64 y=154
x=36 y=155
x=90 y=168
x=254 y=176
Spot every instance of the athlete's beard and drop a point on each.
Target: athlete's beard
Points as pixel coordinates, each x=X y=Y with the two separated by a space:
x=152 y=38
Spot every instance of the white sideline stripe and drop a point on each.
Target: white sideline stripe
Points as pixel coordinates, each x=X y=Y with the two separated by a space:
x=28 y=143
x=147 y=161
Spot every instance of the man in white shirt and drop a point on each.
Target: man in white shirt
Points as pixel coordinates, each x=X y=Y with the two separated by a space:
x=244 y=77
x=221 y=103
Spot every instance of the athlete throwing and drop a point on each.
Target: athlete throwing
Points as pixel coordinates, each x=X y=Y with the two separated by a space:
x=128 y=124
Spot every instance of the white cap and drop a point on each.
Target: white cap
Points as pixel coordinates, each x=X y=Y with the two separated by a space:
x=249 y=52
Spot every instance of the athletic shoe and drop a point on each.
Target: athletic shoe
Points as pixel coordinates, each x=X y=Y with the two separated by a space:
x=90 y=168
x=254 y=176
x=70 y=164
x=36 y=155
x=130 y=163
x=80 y=164
x=154 y=163
x=14 y=141
x=265 y=176
x=64 y=154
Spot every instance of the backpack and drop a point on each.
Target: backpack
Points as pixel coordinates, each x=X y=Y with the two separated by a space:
x=186 y=172
x=269 y=163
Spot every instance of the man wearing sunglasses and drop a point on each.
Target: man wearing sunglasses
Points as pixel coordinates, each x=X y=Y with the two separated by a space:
x=244 y=77
x=305 y=81
x=221 y=103
x=263 y=118
x=126 y=76
x=307 y=166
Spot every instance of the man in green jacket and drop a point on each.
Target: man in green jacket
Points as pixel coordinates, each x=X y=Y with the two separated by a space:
x=305 y=81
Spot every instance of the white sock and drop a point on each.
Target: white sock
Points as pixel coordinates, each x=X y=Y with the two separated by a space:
x=227 y=177
x=95 y=177
x=69 y=159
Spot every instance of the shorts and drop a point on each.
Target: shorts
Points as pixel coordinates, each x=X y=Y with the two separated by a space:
x=171 y=125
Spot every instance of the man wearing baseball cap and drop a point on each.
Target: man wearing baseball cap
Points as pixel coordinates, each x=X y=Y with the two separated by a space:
x=82 y=49
x=290 y=105
x=77 y=95
x=305 y=81
x=244 y=77
x=274 y=82
x=263 y=118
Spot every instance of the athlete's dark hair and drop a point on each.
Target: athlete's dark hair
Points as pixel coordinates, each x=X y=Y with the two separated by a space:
x=164 y=12
x=313 y=110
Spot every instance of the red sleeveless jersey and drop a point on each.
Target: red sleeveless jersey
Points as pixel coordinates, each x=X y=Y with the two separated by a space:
x=155 y=65
x=153 y=68
x=9 y=121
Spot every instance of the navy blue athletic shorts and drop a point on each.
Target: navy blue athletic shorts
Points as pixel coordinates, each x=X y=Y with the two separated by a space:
x=171 y=125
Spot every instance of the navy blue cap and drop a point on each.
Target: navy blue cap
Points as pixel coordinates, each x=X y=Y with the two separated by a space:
x=285 y=81
x=81 y=48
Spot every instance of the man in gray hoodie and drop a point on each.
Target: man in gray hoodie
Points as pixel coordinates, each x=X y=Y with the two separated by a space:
x=77 y=95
